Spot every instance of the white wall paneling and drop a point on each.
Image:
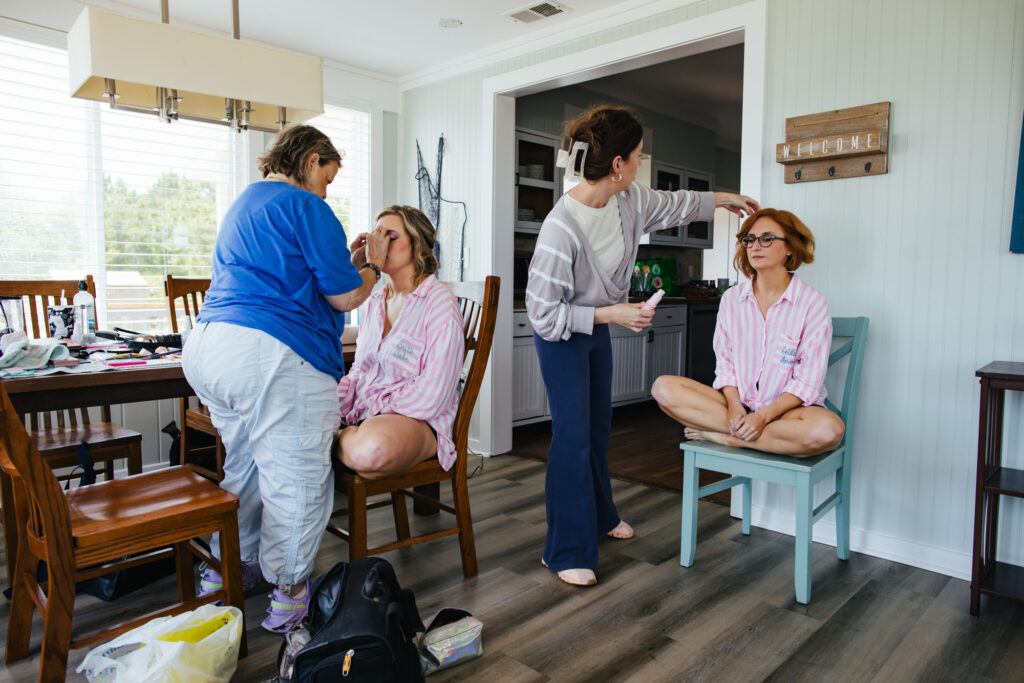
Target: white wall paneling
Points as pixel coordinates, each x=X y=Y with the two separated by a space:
x=922 y=250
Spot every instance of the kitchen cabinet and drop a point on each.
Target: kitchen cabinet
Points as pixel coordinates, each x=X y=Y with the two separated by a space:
x=638 y=359
x=538 y=182
x=529 y=398
x=669 y=177
x=629 y=365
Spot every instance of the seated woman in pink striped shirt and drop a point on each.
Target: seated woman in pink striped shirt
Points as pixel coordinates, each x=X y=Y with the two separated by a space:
x=398 y=400
x=772 y=344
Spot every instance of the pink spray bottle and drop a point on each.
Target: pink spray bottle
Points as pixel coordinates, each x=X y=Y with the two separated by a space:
x=653 y=301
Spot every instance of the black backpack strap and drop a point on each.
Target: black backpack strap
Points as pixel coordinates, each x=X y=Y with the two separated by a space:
x=411 y=621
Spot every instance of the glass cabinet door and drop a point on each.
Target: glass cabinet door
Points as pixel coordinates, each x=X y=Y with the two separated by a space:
x=671 y=179
x=699 y=233
x=537 y=182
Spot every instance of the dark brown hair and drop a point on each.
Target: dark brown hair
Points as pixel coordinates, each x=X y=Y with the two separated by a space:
x=610 y=130
x=799 y=240
x=290 y=151
x=421 y=234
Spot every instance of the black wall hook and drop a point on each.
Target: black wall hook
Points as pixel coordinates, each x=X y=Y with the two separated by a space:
x=831 y=170
x=867 y=167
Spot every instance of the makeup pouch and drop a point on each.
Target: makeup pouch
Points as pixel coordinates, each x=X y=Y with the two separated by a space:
x=453 y=636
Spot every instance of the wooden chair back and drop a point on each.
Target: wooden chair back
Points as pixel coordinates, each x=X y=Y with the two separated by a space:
x=191 y=291
x=39 y=502
x=36 y=295
x=479 y=304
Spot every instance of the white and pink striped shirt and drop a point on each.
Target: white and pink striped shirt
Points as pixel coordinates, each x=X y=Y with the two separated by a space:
x=414 y=370
x=785 y=351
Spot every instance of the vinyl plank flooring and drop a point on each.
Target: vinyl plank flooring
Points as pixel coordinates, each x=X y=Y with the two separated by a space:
x=732 y=616
x=859 y=639
x=948 y=644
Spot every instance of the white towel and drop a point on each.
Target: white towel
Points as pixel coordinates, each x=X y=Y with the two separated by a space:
x=25 y=354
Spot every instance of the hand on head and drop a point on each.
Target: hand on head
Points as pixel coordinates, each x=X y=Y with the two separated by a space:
x=739 y=204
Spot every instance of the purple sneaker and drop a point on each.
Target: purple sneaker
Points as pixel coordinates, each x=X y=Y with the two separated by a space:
x=285 y=612
x=252 y=578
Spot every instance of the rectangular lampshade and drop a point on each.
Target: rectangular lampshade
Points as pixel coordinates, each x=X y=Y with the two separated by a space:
x=141 y=56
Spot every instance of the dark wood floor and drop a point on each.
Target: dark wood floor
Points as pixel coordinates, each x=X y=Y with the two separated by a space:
x=731 y=617
x=643 y=447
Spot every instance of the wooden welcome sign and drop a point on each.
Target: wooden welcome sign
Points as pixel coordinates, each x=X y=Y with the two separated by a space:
x=845 y=143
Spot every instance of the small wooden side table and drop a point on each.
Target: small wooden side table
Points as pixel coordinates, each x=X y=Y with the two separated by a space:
x=988 y=576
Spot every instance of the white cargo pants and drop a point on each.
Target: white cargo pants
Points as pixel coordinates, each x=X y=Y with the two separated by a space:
x=276 y=415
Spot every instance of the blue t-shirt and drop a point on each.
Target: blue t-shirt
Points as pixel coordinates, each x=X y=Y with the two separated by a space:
x=279 y=250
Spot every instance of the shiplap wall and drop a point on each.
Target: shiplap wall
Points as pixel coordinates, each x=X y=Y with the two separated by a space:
x=922 y=251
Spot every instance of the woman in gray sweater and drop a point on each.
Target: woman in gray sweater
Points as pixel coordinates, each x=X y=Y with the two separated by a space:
x=578 y=283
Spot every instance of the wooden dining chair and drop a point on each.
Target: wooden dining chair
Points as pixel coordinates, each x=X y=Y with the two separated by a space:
x=189 y=294
x=58 y=434
x=479 y=304
x=93 y=530
x=745 y=464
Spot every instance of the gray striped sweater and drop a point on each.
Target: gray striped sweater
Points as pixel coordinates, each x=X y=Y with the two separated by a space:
x=566 y=281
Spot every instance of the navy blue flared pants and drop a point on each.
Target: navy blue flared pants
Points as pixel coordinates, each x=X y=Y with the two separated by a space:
x=578 y=377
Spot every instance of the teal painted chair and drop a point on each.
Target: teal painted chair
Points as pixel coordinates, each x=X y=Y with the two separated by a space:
x=745 y=464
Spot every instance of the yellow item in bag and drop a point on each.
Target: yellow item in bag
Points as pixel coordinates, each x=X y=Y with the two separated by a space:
x=193 y=647
x=199 y=628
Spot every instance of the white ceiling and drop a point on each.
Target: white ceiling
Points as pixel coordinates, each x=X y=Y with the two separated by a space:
x=399 y=39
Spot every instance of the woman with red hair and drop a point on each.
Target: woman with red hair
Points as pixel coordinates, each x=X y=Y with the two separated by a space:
x=771 y=345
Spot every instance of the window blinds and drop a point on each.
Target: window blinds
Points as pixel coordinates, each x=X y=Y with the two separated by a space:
x=124 y=197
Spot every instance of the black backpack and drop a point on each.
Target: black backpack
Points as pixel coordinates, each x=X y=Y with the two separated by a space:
x=362 y=626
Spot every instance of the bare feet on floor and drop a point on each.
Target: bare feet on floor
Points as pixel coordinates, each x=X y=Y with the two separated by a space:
x=575 y=577
x=623 y=530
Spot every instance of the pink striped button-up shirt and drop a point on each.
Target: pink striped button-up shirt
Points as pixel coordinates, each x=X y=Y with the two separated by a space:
x=414 y=370
x=785 y=351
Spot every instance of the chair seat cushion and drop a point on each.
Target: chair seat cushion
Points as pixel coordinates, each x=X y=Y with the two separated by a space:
x=96 y=433
x=121 y=508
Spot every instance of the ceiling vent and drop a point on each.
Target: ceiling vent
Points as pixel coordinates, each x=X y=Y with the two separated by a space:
x=533 y=13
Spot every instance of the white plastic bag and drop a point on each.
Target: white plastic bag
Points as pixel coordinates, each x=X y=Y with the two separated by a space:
x=201 y=645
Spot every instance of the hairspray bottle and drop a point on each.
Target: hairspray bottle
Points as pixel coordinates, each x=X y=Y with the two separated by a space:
x=653 y=301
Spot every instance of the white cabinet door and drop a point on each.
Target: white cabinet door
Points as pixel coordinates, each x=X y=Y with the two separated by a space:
x=629 y=371
x=667 y=352
x=529 y=398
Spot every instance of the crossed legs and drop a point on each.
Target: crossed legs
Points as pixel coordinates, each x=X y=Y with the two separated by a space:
x=800 y=432
x=385 y=444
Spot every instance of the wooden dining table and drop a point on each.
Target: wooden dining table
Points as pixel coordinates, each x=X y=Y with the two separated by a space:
x=61 y=391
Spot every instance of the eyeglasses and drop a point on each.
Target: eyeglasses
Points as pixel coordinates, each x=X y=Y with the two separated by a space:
x=765 y=240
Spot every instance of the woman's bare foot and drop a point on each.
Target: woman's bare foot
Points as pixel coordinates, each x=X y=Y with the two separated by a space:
x=716 y=437
x=623 y=530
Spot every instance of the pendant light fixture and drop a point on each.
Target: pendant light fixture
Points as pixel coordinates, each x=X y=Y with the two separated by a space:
x=176 y=73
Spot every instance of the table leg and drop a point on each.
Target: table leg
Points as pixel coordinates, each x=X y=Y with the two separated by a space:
x=979 y=497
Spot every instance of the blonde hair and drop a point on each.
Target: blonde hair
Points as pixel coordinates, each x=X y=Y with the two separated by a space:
x=422 y=235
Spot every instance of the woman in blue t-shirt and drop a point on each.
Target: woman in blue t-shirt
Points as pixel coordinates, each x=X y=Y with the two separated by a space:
x=265 y=357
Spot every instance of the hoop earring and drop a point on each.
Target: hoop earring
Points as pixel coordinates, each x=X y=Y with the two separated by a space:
x=617 y=178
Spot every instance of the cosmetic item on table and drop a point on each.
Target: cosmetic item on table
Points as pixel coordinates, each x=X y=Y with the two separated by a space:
x=653 y=301
x=85 y=314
